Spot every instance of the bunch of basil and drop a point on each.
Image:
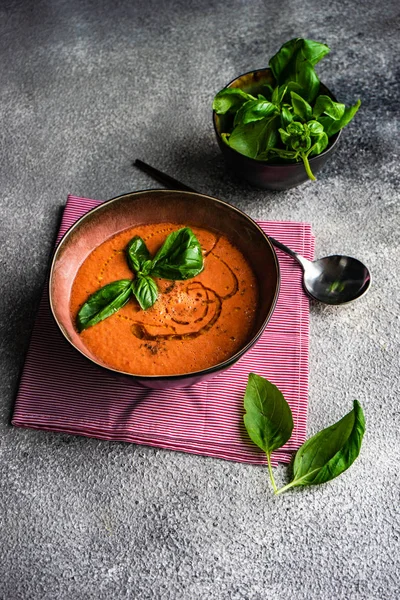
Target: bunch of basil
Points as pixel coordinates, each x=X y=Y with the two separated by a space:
x=179 y=258
x=269 y=423
x=289 y=122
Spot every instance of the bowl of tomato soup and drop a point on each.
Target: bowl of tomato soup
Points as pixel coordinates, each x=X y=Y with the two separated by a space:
x=197 y=326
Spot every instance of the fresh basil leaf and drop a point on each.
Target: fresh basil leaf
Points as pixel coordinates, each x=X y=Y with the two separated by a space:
x=295 y=61
x=295 y=128
x=325 y=104
x=104 y=303
x=284 y=61
x=246 y=138
x=349 y=113
x=301 y=107
x=315 y=128
x=319 y=144
x=138 y=253
x=145 y=291
x=229 y=100
x=270 y=135
x=285 y=136
x=286 y=117
x=254 y=110
x=268 y=417
x=331 y=451
x=307 y=78
x=314 y=51
x=180 y=257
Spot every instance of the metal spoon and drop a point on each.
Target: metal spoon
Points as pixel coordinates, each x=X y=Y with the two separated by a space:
x=334 y=279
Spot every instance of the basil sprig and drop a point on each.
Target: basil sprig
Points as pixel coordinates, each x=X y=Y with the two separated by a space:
x=323 y=457
x=179 y=258
x=289 y=122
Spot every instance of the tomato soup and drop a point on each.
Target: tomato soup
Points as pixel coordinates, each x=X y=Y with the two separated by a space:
x=193 y=325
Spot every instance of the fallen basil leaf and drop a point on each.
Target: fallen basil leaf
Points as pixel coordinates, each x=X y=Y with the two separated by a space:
x=145 y=291
x=104 y=303
x=180 y=257
x=331 y=451
x=268 y=417
x=138 y=253
x=230 y=99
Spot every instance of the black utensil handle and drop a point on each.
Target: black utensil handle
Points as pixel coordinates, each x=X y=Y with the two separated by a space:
x=163 y=177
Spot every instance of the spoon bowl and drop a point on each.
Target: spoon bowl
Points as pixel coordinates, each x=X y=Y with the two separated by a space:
x=334 y=279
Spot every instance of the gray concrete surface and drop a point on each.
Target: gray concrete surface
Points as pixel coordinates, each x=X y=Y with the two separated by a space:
x=88 y=86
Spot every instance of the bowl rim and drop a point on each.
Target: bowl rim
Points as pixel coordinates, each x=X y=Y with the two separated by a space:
x=221 y=366
x=276 y=165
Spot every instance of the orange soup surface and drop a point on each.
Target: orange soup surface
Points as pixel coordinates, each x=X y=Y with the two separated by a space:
x=193 y=325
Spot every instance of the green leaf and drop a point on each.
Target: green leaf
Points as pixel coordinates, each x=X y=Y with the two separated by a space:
x=254 y=110
x=286 y=117
x=319 y=144
x=145 y=291
x=138 y=253
x=246 y=138
x=349 y=113
x=180 y=257
x=229 y=100
x=325 y=104
x=268 y=417
x=301 y=107
x=315 y=128
x=284 y=61
x=294 y=63
x=104 y=303
x=331 y=451
x=270 y=135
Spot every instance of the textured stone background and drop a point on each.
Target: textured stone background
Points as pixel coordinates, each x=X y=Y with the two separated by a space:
x=88 y=86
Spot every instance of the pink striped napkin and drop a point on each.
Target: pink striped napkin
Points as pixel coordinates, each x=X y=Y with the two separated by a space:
x=62 y=391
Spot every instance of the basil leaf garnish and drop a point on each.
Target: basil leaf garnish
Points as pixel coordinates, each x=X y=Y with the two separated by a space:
x=145 y=291
x=104 y=303
x=138 y=253
x=180 y=257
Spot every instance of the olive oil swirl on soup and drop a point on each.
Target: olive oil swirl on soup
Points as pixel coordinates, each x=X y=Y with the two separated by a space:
x=193 y=325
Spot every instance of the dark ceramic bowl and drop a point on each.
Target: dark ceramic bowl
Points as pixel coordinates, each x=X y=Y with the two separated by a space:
x=271 y=176
x=155 y=206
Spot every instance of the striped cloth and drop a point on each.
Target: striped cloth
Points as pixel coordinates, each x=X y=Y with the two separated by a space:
x=62 y=391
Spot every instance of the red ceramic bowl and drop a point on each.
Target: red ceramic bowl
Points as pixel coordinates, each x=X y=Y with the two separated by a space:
x=155 y=206
x=271 y=176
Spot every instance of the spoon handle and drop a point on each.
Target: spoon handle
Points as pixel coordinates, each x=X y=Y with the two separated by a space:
x=300 y=259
